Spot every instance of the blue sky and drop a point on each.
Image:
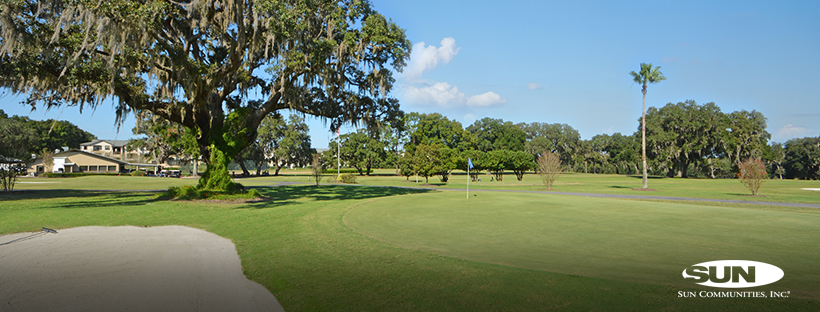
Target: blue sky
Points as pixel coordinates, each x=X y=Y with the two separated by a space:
x=568 y=62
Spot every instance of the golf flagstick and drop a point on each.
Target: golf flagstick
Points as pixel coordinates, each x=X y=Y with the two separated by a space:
x=469 y=166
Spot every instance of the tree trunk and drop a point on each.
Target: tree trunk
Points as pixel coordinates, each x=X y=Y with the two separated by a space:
x=643 y=139
x=277 y=169
x=241 y=162
x=194 y=172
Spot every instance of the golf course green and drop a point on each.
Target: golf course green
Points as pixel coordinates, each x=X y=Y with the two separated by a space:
x=627 y=240
x=373 y=248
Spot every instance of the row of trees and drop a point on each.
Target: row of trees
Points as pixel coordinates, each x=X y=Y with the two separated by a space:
x=683 y=139
x=20 y=136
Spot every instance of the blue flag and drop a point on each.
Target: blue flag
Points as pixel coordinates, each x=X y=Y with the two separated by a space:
x=469 y=163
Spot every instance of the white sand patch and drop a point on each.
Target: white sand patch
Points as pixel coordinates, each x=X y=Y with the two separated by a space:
x=167 y=268
x=811 y=189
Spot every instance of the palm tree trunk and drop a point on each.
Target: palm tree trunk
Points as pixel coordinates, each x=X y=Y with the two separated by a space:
x=643 y=139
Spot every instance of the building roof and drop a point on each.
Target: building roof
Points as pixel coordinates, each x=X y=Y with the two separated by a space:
x=85 y=153
x=117 y=143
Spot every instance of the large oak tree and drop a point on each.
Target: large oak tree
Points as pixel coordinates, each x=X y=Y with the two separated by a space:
x=198 y=62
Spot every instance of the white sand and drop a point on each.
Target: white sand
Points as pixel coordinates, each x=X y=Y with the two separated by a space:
x=811 y=189
x=167 y=268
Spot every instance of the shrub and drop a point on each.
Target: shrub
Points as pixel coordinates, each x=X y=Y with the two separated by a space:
x=752 y=173
x=549 y=166
x=137 y=173
x=8 y=178
x=316 y=168
x=347 y=178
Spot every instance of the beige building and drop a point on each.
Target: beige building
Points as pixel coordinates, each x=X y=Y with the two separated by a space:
x=116 y=149
x=79 y=161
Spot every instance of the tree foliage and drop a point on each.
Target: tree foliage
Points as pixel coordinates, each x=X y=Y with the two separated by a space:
x=360 y=149
x=285 y=142
x=195 y=62
x=496 y=134
x=802 y=158
x=562 y=139
x=684 y=133
x=21 y=136
x=752 y=173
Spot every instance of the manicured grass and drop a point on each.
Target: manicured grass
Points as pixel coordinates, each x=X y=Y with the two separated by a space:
x=772 y=190
x=124 y=182
x=626 y=240
x=297 y=246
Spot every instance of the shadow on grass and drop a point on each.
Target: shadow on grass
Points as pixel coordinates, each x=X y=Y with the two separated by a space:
x=621 y=187
x=648 y=177
x=82 y=198
x=289 y=194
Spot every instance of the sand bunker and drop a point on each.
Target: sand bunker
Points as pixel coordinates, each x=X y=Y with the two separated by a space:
x=811 y=189
x=167 y=268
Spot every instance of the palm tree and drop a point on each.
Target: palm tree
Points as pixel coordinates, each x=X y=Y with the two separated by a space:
x=647 y=75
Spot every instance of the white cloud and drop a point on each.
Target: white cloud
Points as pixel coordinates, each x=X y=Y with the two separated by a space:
x=426 y=58
x=444 y=94
x=790 y=131
x=485 y=100
x=534 y=86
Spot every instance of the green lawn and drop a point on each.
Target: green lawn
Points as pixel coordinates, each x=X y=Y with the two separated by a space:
x=732 y=189
x=626 y=240
x=299 y=247
x=124 y=182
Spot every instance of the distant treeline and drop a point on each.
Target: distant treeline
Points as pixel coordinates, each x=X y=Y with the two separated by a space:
x=20 y=137
x=684 y=139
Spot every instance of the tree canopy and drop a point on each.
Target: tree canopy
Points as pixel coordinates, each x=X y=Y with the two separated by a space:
x=196 y=62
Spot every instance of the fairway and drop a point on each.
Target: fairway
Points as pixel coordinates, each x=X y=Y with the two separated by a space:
x=627 y=240
x=426 y=250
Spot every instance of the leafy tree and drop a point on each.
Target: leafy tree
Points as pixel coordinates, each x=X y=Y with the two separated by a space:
x=496 y=161
x=360 y=150
x=802 y=159
x=752 y=173
x=477 y=157
x=162 y=139
x=520 y=162
x=647 y=75
x=50 y=134
x=449 y=158
x=253 y=154
x=285 y=142
x=437 y=129
x=746 y=137
x=426 y=161
x=195 y=63
x=623 y=152
x=16 y=139
x=496 y=134
x=684 y=133
x=557 y=138
x=776 y=154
